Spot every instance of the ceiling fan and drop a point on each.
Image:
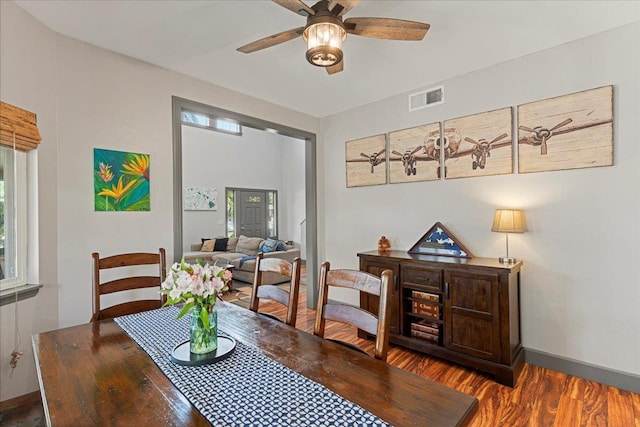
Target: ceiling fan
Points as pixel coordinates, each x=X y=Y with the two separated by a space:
x=325 y=31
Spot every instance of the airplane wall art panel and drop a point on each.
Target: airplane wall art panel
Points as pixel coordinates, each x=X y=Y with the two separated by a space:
x=566 y=132
x=366 y=161
x=414 y=154
x=479 y=144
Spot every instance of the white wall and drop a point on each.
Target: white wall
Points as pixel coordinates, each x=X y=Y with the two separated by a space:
x=293 y=213
x=580 y=281
x=257 y=160
x=87 y=97
x=27 y=80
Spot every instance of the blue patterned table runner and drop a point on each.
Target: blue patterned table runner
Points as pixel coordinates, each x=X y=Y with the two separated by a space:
x=247 y=389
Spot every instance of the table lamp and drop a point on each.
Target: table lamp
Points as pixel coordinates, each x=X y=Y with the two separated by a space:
x=508 y=221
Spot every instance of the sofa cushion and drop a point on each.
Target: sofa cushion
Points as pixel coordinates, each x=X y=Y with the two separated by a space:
x=232 y=243
x=208 y=245
x=221 y=244
x=204 y=239
x=269 y=245
x=248 y=263
x=242 y=261
x=192 y=256
x=248 y=245
x=222 y=258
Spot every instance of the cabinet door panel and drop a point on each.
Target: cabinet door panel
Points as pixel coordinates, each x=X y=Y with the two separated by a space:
x=371 y=303
x=472 y=314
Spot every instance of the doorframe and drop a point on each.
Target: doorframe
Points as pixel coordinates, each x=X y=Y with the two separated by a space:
x=177 y=105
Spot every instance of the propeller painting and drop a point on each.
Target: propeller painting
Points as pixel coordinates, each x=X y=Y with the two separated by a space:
x=567 y=132
x=484 y=146
x=415 y=154
x=366 y=161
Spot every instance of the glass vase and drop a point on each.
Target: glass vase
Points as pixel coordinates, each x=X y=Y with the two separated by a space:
x=203 y=340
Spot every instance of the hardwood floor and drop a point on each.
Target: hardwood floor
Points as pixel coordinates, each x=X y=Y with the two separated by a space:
x=23 y=411
x=541 y=397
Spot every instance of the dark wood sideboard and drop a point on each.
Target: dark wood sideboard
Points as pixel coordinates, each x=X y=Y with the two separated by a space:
x=464 y=310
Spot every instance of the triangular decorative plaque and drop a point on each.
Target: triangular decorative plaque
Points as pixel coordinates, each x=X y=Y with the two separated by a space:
x=439 y=241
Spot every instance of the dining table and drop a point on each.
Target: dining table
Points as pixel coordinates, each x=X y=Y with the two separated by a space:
x=121 y=373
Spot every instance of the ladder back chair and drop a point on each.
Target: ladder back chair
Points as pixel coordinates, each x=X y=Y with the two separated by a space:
x=273 y=292
x=355 y=316
x=126 y=283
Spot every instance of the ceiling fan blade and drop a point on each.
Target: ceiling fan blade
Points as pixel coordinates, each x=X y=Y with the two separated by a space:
x=386 y=28
x=346 y=5
x=335 y=68
x=273 y=40
x=296 y=6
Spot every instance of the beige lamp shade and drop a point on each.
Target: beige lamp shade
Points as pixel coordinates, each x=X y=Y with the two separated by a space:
x=509 y=221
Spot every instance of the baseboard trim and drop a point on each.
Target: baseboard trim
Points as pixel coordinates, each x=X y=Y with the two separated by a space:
x=25 y=399
x=612 y=377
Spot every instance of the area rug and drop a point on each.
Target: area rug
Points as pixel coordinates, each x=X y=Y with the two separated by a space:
x=240 y=294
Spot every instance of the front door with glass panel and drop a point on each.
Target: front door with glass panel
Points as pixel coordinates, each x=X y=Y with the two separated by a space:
x=251 y=211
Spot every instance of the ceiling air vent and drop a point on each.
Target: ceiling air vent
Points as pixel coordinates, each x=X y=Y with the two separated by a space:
x=426 y=98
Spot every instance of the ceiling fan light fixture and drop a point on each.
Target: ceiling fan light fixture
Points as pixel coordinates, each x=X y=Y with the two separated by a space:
x=325 y=31
x=324 y=43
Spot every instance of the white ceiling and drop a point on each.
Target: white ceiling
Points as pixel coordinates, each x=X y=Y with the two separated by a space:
x=199 y=38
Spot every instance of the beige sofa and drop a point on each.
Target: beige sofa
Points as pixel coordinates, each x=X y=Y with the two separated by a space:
x=240 y=253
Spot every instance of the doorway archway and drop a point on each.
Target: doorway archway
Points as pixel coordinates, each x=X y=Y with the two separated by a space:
x=178 y=106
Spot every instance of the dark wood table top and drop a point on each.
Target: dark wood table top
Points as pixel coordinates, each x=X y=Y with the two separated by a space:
x=94 y=374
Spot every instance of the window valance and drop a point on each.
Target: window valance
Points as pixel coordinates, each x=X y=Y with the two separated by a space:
x=19 y=126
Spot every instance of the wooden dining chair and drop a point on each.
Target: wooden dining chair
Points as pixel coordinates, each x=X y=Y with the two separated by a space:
x=273 y=292
x=125 y=283
x=352 y=315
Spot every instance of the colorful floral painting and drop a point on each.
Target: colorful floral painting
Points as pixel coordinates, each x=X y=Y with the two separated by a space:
x=121 y=180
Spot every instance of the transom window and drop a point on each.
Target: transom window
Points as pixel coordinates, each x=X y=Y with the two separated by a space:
x=214 y=123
